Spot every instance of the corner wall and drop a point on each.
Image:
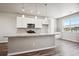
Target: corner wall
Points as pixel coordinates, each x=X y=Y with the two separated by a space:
x=7 y=23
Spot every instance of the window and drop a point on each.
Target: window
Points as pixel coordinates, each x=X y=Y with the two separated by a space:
x=71 y=25
x=74 y=20
x=66 y=22
x=67 y=25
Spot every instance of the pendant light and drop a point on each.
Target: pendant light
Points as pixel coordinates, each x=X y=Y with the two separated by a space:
x=23 y=10
x=46 y=11
x=36 y=11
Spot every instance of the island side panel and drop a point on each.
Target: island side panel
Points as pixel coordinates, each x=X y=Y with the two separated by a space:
x=19 y=44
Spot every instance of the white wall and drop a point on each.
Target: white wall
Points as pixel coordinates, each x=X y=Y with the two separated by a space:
x=7 y=25
x=44 y=29
x=71 y=36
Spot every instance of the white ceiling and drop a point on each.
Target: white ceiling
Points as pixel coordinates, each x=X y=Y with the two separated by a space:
x=30 y=9
x=53 y=9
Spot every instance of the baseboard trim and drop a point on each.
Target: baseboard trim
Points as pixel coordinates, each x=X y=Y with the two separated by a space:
x=71 y=40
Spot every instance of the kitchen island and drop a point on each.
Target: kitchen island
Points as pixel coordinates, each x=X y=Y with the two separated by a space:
x=24 y=43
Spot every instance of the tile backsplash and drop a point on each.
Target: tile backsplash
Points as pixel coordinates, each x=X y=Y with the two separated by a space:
x=23 y=30
x=44 y=29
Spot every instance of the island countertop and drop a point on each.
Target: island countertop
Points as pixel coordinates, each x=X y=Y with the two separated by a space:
x=29 y=34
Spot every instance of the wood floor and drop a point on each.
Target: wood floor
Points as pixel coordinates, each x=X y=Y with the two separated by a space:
x=46 y=52
x=63 y=48
x=66 y=48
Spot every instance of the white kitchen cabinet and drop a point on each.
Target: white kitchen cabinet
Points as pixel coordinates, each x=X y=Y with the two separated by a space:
x=22 y=22
x=52 y=25
x=44 y=21
x=38 y=24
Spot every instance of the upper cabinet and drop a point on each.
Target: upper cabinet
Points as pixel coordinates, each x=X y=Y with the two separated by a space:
x=38 y=23
x=22 y=22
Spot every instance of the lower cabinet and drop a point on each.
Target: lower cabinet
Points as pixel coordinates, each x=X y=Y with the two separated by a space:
x=3 y=49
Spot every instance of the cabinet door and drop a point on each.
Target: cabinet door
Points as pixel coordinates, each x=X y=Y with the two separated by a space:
x=24 y=24
x=20 y=23
x=44 y=21
x=29 y=20
x=38 y=24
